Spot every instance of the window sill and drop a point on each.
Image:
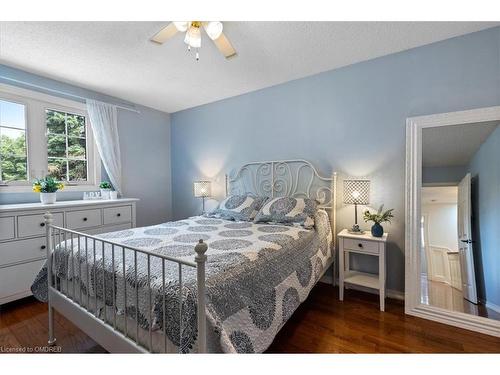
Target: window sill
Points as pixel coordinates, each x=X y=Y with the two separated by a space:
x=29 y=189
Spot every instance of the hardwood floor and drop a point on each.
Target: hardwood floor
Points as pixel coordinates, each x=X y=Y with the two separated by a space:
x=446 y=297
x=322 y=324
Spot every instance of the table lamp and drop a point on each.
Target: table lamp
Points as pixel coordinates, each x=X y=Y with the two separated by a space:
x=356 y=192
x=202 y=189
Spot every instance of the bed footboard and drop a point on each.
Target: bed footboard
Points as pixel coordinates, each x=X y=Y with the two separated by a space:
x=91 y=313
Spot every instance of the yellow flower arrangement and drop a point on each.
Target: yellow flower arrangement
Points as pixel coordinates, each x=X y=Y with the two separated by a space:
x=47 y=185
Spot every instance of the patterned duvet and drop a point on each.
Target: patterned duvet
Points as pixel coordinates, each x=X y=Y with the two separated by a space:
x=256 y=276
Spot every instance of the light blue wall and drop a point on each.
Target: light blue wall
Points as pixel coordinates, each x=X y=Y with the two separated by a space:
x=486 y=217
x=145 y=149
x=443 y=175
x=350 y=120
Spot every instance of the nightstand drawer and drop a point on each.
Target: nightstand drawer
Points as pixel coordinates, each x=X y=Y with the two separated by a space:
x=363 y=246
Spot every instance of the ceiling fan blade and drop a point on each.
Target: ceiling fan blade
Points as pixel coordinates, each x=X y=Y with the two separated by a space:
x=225 y=46
x=164 y=34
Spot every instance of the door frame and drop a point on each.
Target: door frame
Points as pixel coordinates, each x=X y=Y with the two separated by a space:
x=413 y=305
x=466 y=256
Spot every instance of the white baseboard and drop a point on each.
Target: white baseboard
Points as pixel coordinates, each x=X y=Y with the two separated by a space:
x=394 y=294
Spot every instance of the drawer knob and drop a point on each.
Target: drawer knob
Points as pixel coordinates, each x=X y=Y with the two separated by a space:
x=42 y=247
x=42 y=224
x=360 y=245
x=84 y=219
x=118 y=214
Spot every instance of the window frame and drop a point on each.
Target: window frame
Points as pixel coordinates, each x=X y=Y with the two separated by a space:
x=36 y=104
x=19 y=100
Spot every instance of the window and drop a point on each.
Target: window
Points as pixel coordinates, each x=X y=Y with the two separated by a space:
x=13 y=150
x=66 y=146
x=42 y=135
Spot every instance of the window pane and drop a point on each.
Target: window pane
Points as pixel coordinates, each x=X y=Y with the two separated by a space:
x=13 y=168
x=76 y=148
x=76 y=125
x=77 y=170
x=57 y=169
x=12 y=115
x=56 y=146
x=55 y=122
x=12 y=142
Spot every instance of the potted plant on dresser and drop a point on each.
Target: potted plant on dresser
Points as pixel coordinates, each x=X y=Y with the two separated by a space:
x=47 y=187
x=105 y=187
x=379 y=217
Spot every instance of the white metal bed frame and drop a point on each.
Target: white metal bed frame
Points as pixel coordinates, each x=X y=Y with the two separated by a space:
x=296 y=178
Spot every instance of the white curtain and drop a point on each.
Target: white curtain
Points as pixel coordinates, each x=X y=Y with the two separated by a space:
x=103 y=120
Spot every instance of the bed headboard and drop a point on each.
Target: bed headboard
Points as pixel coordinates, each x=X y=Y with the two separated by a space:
x=293 y=178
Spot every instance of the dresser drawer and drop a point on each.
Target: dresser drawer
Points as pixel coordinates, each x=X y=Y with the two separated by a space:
x=116 y=215
x=83 y=219
x=34 y=225
x=6 y=228
x=16 y=280
x=22 y=250
x=361 y=245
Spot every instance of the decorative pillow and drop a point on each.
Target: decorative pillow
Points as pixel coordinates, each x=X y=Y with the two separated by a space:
x=288 y=210
x=239 y=207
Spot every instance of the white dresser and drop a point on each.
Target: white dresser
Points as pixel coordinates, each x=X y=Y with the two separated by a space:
x=22 y=235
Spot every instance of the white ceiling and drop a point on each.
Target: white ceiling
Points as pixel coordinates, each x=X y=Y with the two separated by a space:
x=439 y=194
x=451 y=146
x=117 y=59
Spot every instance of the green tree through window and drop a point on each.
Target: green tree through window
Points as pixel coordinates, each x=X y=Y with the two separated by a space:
x=66 y=146
x=13 y=159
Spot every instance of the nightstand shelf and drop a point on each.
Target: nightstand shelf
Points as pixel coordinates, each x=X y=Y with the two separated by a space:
x=362 y=244
x=365 y=279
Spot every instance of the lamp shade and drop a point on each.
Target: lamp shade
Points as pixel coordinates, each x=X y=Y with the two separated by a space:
x=193 y=37
x=202 y=189
x=357 y=191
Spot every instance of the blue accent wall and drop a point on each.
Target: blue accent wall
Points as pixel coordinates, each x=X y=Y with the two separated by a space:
x=486 y=217
x=350 y=120
x=145 y=150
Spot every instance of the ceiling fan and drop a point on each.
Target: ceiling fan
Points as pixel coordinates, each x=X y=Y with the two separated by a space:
x=193 y=35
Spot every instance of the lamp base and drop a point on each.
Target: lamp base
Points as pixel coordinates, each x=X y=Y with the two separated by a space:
x=355 y=230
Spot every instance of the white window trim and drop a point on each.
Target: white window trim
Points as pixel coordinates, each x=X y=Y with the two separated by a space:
x=36 y=103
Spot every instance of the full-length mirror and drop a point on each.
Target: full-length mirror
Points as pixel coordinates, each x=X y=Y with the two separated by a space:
x=460 y=218
x=453 y=218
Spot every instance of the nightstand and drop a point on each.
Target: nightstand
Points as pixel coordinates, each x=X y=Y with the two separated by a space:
x=362 y=244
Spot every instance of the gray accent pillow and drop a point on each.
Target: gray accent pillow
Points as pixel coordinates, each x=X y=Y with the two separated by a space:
x=239 y=207
x=288 y=210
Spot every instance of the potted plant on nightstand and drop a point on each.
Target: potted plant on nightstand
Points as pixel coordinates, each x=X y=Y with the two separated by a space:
x=377 y=218
x=47 y=188
x=105 y=187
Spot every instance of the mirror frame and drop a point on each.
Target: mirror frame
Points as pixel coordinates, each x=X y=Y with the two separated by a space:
x=413 y=306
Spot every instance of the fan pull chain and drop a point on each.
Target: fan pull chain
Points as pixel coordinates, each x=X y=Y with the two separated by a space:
x=197 y=56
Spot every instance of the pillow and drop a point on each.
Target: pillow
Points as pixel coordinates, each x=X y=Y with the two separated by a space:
x=288 y=210
x=239 y=207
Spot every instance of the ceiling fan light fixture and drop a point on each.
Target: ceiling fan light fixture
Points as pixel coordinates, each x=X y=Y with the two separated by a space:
x=193 y=37
x=214 y=29
x=181 y=26
x=192 y=31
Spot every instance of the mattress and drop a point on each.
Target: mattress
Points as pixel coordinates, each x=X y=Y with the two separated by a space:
x=256 y=276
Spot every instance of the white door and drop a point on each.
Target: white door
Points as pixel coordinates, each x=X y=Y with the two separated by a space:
x=465 y=240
